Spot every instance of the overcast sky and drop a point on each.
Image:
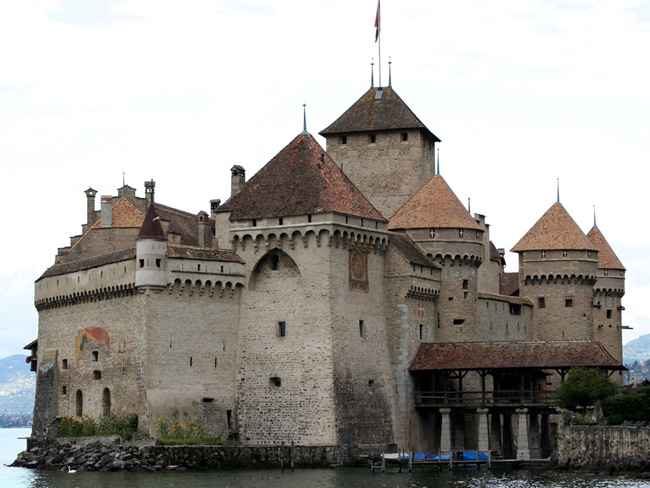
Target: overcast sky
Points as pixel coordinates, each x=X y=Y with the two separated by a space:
x=520 y=92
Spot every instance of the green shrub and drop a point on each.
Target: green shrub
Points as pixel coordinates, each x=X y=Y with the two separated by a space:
x=632 y=407
x=109 y=424
x=584 y=387
x=172 y=431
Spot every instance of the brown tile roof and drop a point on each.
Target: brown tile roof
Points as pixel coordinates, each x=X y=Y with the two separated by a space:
x=94 y=262
x=151 y=227
x=433 y=206
x=301 y=179
x=411 y=251
x=369 y=114
x=176 y=251
x=182 y=223
x=124 y=214
x=512 y=355
x=607 y=259
x=554 y=230
x=495 y=256
x=509 y=284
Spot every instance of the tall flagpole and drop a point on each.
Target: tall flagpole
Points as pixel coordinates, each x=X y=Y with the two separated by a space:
x=378 y=38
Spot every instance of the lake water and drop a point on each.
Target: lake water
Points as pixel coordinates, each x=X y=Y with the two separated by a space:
x=10 y=446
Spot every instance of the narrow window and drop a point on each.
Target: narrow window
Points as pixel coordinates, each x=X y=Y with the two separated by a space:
x=609 y=314
x=64 y=390
x=158 y=261
x=541 y=302
x=487 y=305
x=198 y=267
x=97 y=375
x=588 y=254
x=215 y=362
x=282 y=329
x=95 y=356
x=606 y=272
x=106 y=401
x=275 y=262
x=309 y=218
x=222 y=269
x=281 y=221
x=229 y=418
x=142 y=263
x=478 y=234
x=568 y=302
x=360 y=328
x=191 y=361
x=405 y=136
x=254 y=222
x=465 y=284
x=421 y=333
x=344 y=139
x=79 y=403
x=438 y=322
x=373 y=138
x=491 y=325
x=64 y=364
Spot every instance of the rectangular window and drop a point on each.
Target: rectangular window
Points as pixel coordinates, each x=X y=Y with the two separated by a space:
x=373 y=138
x=95 y=356
x=344 y=139
x=541 y=302
x=141 y=264
x=465 y=284
x=421 y=332
x=438 y=322
x=361 y=328
x=609 y=314
x=97 y=375
x=282 y=329
x=515 y=309
x=64 y=364
x=158 y=262
x=405 y=136
x=281 y=221
x=64 y=390
x=568 y=302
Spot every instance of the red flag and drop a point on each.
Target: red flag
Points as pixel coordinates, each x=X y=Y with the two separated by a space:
x=377 y=22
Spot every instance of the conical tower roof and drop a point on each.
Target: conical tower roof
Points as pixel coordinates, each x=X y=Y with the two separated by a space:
x=151 y=228
x=301 y=179
x=607 y=259
x=554 y=230
x=378 y=109
x=434 y=205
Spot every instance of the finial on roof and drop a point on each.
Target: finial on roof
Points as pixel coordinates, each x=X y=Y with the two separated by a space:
x=390 y=83
x=304 y=118
x=436 y=168
x=123 y=184
x=558 y=190
x=372 y=72
x=595 y=216
x=469 y=205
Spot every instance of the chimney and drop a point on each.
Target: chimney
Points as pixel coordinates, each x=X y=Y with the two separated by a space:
x=107 y=211
x=214 y=205
x=238 y=179
x=203 y=227
x=148 y=191
x=90 y=205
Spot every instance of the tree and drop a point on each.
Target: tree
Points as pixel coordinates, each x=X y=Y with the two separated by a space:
x=584 y=387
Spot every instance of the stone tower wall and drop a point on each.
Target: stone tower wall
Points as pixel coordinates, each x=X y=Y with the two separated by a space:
x=388 y=171
x=608 y=313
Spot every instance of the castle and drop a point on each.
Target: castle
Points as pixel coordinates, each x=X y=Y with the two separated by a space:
x=338 y=297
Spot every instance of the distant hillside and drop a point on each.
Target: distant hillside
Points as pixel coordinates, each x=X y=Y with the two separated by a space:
x=17 y=385
x=637 y=350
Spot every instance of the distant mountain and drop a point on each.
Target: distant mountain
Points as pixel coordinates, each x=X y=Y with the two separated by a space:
x=17 y=386
x=637 y=350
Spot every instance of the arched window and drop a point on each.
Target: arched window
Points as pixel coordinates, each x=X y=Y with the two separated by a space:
x=106 y=401
x=79 y=404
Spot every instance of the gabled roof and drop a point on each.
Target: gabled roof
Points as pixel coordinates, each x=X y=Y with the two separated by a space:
x=203 y=253
x=512 y=355
x=124 y=214
x=301 y=179
x=151 y=228
x=433 y=206
x=410 y=250
x=93 y=262
x=554 y=230
x=607 y=259
x=372 y=114
x=509 y=284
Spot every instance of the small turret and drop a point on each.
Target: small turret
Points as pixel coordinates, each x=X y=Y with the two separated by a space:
x=90 y=204
x=151 y=253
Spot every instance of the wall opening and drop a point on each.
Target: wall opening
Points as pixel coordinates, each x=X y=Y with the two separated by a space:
x=97 y=375
x=79 y=402
x=95 y=356
x=282 y=329
x=64 y=364
x=275 y=381
x=106 y=401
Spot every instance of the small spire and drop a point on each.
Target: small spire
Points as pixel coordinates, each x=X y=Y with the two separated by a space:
x=390 y=83
x=123 y=184
x=469 y=205
x=372 y=72
x=595 y=216
x=437 y=166
x=304 y=118
x=558 y=190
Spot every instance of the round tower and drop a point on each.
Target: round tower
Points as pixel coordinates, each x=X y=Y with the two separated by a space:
x=608 y=291
x=444 y=229
x=151 y=254
x=557 y=272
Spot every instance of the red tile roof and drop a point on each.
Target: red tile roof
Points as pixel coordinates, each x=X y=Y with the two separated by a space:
x=206 y=254
x=434 y=205
x=554 y=230
x=301 y=179
x=411 y=251
x=512 y=355
x=509 y=284
x=607 y=259
x=372 y=114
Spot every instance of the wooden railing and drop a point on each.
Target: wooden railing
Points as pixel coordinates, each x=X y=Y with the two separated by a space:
x=480 y=398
